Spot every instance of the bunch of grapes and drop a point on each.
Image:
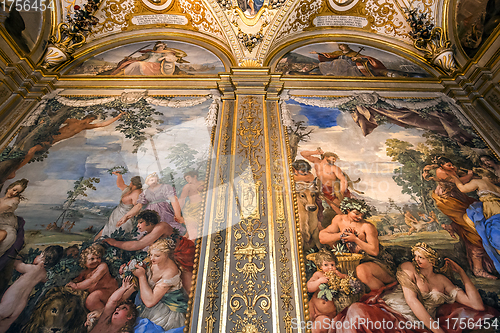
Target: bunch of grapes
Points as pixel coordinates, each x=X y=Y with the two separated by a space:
x=356 y=285
x=333 y=280
x=350 y=245
x=345 y=286
x=349 y=285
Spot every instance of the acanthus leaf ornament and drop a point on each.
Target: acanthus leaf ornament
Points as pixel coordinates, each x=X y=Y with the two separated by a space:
x=431 y=41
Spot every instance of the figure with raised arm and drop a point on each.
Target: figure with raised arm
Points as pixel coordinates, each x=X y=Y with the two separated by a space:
x=163 y=300
x=329 y=174
x=130 y=194
x=162 y=199
x=485 y=215
x=69 y=128
x=119 y=314
x=148 y=222
x=453 y=203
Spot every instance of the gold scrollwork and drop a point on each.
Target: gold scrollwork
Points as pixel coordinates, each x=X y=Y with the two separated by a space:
x=250 y=135
x=251 y=287
x=305 y=10
x=285 y=275
x=114 y=14
x=214 y=276
x=382 y=14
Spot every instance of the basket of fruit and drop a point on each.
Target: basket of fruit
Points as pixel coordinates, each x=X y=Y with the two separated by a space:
x=342 y=290
x=347 y=262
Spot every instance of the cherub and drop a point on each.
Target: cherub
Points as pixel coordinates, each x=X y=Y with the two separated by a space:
x=96 y=278
x=16 y=297
x=319 y=308
x=119 y=314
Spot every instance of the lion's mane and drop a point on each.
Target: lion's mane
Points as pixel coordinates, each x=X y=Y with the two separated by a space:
x=61 y=308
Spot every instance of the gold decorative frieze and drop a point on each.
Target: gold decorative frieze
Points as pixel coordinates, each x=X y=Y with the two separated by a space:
x=214 y=275
x=285 y=274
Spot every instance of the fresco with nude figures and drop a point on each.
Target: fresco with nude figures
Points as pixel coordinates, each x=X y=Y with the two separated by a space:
x=397 y=199
x=106 y=193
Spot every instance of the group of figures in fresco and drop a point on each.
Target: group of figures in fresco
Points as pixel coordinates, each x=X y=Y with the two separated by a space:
x=133 y=275
x=404 y=286
x=161 y=251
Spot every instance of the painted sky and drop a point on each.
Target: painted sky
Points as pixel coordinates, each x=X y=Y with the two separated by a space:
x=360 y=156
x=92 y=152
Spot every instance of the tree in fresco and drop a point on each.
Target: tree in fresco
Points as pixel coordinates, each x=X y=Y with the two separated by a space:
x=408 y=176
x=296 y=134
x=58 y=122
x=79 y=190
x=413 y=159
x=185 y=159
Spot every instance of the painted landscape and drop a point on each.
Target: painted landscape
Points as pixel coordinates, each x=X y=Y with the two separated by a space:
x=385 y=192
x=78 y=168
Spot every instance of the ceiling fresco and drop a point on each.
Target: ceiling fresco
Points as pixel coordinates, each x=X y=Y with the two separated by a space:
x=254 y=30
x=346 y=59
x=152 y=59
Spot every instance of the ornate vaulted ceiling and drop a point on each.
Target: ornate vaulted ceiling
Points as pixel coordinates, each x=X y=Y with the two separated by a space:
x=457 y=52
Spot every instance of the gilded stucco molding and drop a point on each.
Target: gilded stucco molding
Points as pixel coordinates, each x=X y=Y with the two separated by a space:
x=250 y=298
x=285 y=273
x=381 y=17
x=121 y=15
x=218 y=217
x=250 y=136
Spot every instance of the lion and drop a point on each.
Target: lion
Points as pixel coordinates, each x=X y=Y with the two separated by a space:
x=62 y=310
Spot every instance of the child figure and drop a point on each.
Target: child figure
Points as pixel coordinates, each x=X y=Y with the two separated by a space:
x=319 y=308
x=16 y=297
x=119 y=314
x=95 y=279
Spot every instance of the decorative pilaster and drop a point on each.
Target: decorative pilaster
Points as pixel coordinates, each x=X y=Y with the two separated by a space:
x=251 y=243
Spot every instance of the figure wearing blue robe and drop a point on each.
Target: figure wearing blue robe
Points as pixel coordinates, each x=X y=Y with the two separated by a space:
x=488 y=229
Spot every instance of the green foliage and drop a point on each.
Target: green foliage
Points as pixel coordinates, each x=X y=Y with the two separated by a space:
x=116 y=257
x=39 y=157
x=185 y=159
x=137 y=117
x=10 y=153
x=413 y=159
x=80 y=187
x=140 y=116
x=326 y=293
x=408 y=176
x=120 y=169
x=66 y=270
